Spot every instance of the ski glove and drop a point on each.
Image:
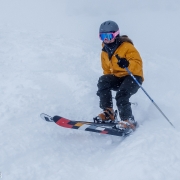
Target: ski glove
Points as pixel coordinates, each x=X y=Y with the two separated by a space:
x=122 y=62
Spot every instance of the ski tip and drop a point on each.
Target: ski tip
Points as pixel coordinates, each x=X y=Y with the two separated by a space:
x=46 y=117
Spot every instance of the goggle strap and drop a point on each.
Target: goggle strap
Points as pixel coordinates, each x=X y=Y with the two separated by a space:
x=116 y=33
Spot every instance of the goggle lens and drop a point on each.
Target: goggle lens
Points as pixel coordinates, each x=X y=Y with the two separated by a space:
x=108 y=36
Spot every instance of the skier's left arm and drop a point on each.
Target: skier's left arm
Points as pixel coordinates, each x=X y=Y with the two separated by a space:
x=134 y=58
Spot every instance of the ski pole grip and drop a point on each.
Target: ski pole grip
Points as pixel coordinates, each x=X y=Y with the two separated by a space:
x=117 y=56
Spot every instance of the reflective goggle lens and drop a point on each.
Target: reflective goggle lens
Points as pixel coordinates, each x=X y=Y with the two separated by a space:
x=107 y=36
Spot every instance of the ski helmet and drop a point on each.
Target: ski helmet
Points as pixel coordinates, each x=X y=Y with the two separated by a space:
x=108 y=26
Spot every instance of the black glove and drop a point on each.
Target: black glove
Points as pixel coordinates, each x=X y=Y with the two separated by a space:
x=122 y=62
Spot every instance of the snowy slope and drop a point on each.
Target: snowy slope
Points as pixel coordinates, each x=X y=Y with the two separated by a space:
x=49 y=62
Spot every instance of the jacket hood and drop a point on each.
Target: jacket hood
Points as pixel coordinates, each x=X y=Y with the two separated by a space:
x=125 y=38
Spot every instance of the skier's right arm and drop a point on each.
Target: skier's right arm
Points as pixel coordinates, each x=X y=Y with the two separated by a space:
x=105 y=67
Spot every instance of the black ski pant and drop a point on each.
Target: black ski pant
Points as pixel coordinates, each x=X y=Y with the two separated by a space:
x=125 y=87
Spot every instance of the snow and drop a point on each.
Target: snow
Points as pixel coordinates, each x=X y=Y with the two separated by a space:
x=50 y=62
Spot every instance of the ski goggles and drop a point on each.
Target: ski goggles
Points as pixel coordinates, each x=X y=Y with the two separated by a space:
x=108 y=36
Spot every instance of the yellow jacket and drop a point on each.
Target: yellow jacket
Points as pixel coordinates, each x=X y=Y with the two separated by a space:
x=125 y=50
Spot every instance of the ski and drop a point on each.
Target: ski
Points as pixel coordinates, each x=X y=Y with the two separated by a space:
x=101 y=128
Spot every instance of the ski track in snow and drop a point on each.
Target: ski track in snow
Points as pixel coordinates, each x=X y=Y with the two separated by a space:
x=43 y=73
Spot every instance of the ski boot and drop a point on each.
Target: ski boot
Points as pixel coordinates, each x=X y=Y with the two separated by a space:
x=107 y=116
x=126 y=126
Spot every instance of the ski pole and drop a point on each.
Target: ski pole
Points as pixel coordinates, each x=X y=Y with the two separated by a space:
x=129 y=72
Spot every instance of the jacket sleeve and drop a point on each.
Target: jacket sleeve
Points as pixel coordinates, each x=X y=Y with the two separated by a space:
x=105 y=65
x=134 y=58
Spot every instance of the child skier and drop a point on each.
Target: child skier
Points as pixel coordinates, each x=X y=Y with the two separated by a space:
x=116 y=77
